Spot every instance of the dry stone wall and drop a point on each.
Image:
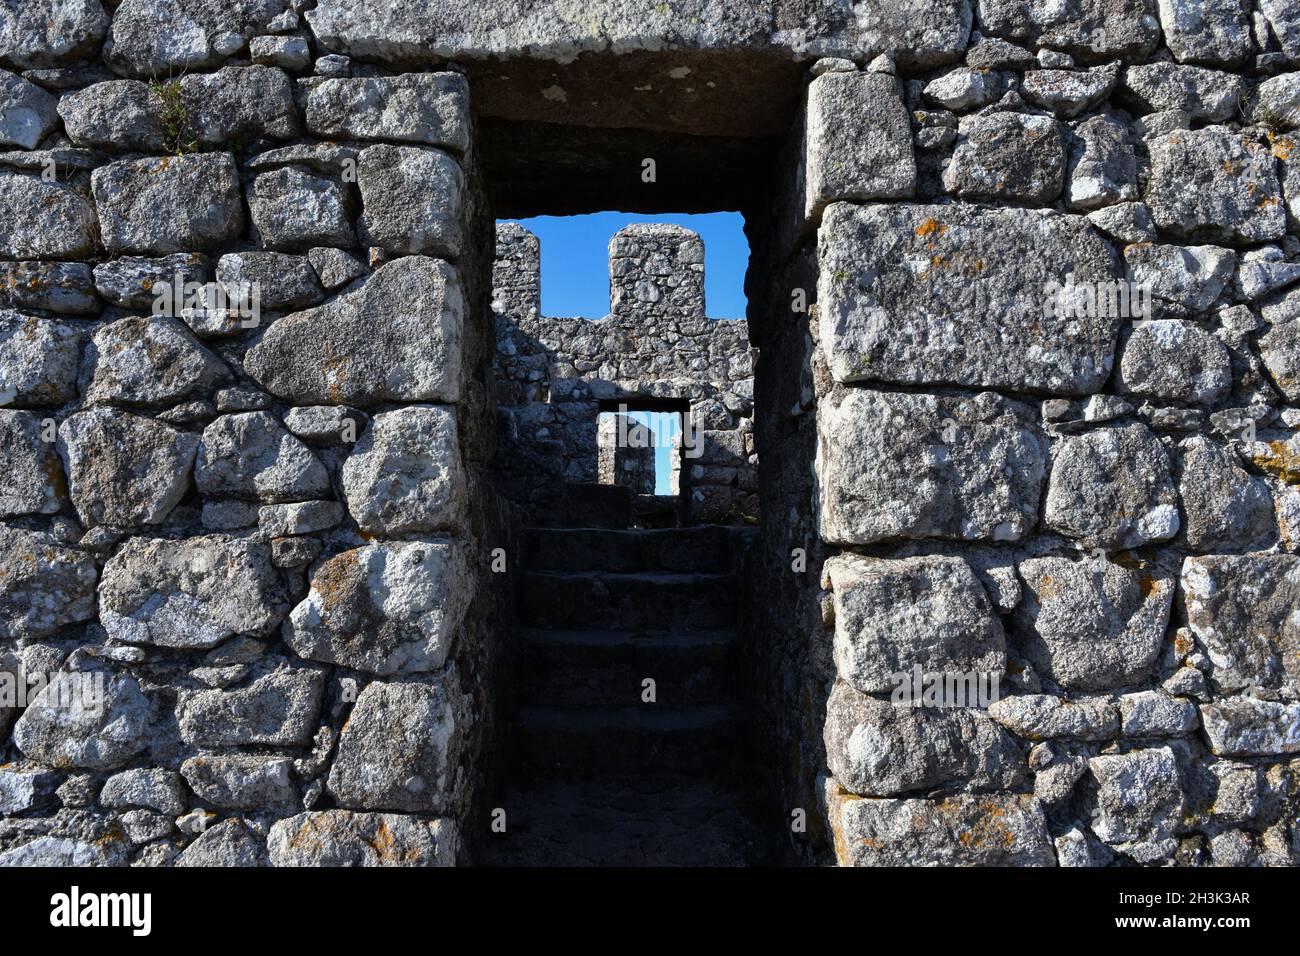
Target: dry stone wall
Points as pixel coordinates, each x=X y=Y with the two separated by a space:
x=555 y=375
x=1024 y=302
x=244 y=355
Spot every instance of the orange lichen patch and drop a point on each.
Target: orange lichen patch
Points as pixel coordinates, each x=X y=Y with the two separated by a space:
x=987 y=831
x=1230 y=167
x=1046 y=588
x=1282 y=148
x=931 y=227
x=1282 y=462
x=1183 y=643
x=334 y=580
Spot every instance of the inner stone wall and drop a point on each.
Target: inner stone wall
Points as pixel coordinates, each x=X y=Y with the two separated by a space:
x=555 y=375
x=266 y=539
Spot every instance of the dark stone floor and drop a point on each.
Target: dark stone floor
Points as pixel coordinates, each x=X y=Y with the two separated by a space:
x=651 y=820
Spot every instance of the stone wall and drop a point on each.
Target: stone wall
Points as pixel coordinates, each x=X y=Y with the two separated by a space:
x=656 y=348
x=256 y=531
x=1024 y=299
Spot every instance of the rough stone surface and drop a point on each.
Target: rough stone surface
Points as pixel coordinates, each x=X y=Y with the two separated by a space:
x=344 y=838
x=44 y=587
x=252 y=455
x=876 y=748
x=428 y=108
x=386 y=608
x=193 y=593
x=891 y=616
x=1111 y=488
x=1242 y=611
x=412 y=200
x=147 y=363
x=35 y=484
x=370 y=345
x=915 y=315
x=405 y=475
x=1008 y=156
x=858 y=141
x=124 y=469
x=901 y=465
x=963 y=830
x=69 y=726
x=396 y=752
x=1091 y=625
x=157 y=206
x=1214 y=185
x=277 y=706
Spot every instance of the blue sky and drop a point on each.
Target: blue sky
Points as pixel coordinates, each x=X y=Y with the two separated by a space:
x=575 y=260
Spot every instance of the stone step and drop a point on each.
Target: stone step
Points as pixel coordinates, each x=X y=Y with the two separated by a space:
x=586 y=600
x=707 y=548
x=649 y=738
x=668 y=819
x=589 y=505
x=585 y=669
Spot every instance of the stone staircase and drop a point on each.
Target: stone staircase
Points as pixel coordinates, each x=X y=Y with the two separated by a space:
x=599 y=776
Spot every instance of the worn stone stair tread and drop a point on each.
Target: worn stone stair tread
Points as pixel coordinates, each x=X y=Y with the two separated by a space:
x=599 y=637
x=705 y=548
x=664 y=819
x=648 y=718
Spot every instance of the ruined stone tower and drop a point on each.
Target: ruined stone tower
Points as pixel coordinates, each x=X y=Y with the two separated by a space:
x=982 y=548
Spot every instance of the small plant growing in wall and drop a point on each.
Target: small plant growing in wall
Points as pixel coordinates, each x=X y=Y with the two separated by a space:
x=173 y=117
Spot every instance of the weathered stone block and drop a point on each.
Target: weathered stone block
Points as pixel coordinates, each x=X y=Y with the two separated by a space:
x=242 y=782
x=412 y=200
x=67 y=725
x=1045 y=717
x=1184 y=280
x=891 y=616
x=1207 y=95
x=63 y=287
x=876 y=748
x=893 y=465
x=1089 y=624
x=1214 y=185
x=115 y=115
x=1247 y=727
x=135 y=282
x=396 y=338
x=387 y=608
x=277 y=707
x=1139 y=796
x=147 y=363
x=960 y=295
x=236 y=104
x=151 y=38
x=39 y=359
x=400 y=747
x=35 y=483
x=1242 y=609
x=174 y=204
x=405 y=473
x=1102 y=165
x=46 y=33
x=27 y=113
x=1111 y=488
x=429 y=108
x=124 y=470
x=924 y=35
x=1009 y=156
x=192 y=593
x=45 y=585
x=294 y=210
x=963 y=830
x=1223 y=505
x=1169 y=359
x=344 y=838
x=252 y=455
x=1206 y=31
x=858 y=141
x=161 y=790
x=44 y=220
